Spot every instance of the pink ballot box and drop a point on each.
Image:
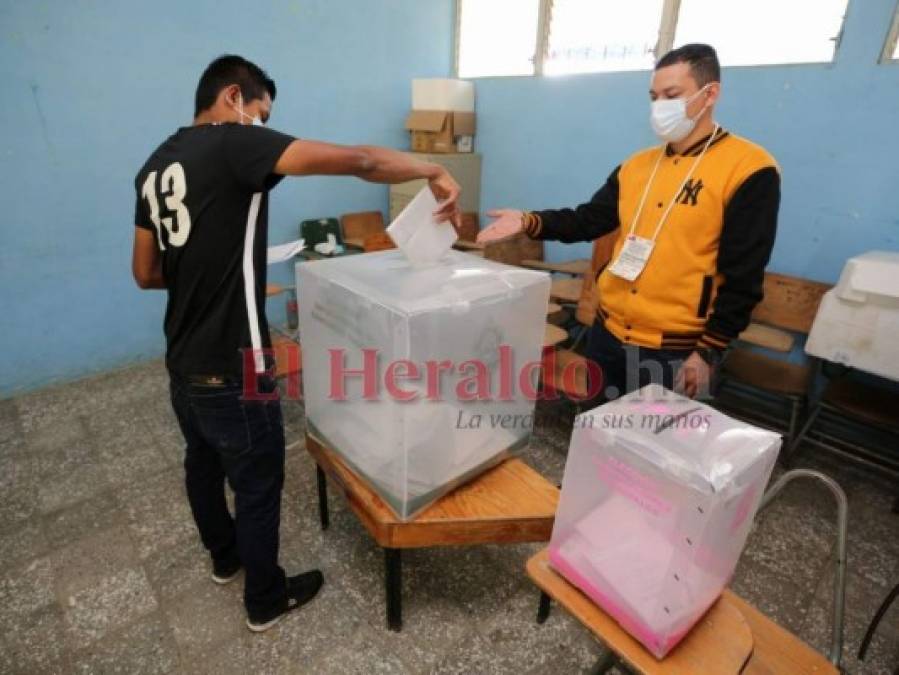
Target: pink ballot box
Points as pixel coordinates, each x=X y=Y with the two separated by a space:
x=657 y=501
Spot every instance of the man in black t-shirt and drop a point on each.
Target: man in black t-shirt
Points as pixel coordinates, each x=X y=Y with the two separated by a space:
x=201 y=233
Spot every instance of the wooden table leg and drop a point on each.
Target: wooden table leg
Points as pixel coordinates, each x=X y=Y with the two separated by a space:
x=393 y=566
x=606 y=662
x=543 y=608
x=323 y=514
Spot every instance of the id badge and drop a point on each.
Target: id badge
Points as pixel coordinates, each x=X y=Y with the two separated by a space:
x=632 y=258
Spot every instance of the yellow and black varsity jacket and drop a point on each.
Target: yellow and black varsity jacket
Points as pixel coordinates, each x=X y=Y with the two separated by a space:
x=705 y=274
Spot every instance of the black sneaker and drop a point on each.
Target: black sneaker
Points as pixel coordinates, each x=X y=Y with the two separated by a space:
x=225 y=571
x=300 y=590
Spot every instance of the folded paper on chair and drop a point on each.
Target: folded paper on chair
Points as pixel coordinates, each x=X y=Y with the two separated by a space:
x=375 y=332
x=657 y=500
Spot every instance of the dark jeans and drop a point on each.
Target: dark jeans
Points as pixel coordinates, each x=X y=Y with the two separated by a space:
x=626 y=368
x=242 y=441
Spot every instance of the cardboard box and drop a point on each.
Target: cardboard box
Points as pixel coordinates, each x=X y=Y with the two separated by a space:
x=441 y=130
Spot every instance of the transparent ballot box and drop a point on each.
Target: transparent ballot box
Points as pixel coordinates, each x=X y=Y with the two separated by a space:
x=418 y=376
x=657 y=500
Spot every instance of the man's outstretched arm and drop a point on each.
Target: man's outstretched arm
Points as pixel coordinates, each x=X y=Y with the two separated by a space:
x=370 y=163
x=587 y=222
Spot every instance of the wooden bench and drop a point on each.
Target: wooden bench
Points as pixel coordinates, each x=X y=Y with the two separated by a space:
x=509 y=503
x=753 y=384
x=733 y=636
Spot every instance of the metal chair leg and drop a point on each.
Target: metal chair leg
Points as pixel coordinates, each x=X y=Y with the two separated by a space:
x=839 y=587
x=393 y=565
x=606 y=662
x=878 y=615
x=788 y=456
x=323 y=514
x=796 y=405
x=543 y=608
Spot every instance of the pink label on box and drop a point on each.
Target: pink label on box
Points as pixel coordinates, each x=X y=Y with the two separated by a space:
x=639 y=488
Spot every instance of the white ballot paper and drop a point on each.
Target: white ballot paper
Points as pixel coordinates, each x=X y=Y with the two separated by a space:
x=418 y=235
x=283 y=252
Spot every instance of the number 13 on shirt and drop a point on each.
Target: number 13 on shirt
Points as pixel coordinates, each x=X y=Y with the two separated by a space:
x=173 y=190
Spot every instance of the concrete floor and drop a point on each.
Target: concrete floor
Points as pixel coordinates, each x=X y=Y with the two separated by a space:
x=101 y=570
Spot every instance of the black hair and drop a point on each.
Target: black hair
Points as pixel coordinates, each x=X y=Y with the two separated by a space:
x=702 y=59
x=231 y=69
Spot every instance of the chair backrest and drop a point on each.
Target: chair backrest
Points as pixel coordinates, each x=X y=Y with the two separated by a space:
x=316 y=231
x=513 y=250
x=790 y=303
x=470 y=226
x=360 y=225
x=379 y=241
x=602 y=254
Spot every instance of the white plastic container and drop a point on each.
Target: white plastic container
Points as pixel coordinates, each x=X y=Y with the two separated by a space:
x=658 y=498
x=460 y=309
x=858 y=320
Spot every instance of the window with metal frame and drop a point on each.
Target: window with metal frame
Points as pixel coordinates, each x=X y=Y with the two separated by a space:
x=891 y=46
x=559 y=37
x=496 y=37
x=763 y=32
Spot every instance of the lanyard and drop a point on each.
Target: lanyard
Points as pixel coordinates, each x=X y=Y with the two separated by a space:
x=676 y=194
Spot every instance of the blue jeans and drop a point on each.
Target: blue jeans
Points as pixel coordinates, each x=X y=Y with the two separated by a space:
x=626 y=368
x=243 y=441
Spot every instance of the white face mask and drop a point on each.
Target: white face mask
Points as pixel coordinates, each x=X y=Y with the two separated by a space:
x=256 y=121
x=669 y=120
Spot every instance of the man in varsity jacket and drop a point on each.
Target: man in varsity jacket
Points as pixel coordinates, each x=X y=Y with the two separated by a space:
x=696 y=220
x=201 y=230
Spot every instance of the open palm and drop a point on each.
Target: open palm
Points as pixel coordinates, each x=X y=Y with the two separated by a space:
x=507 y=223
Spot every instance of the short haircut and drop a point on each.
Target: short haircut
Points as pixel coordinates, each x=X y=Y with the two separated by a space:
x=702 y=59
x=231 y=69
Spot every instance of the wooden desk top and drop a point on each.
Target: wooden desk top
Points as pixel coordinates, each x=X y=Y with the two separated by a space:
x=508 y=503
x=733 y=636
x=553 y=335
x=720 y=643
x=566 y=290
x=575 y=268
x=766 y=336
x=288 y=355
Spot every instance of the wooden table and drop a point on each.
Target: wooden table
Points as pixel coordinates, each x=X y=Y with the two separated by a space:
x=510 y=503
x=576 y=268
x=566 y=291
x=553 y=335
x=288 y=356
x=733 y=636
